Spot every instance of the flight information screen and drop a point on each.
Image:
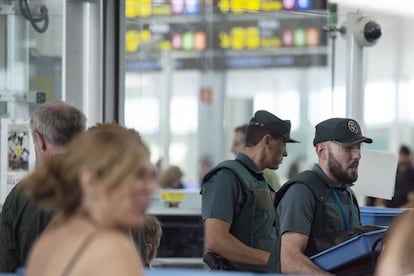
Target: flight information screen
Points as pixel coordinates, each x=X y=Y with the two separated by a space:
x=207 y=31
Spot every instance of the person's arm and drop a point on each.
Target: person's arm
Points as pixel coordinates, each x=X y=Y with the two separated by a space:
x=292 y=257
x=296 y=215
x=219 y=240
x=221 y=201
x=5 y=241
x=9 y=260
x=33 y=221
x=396 y=255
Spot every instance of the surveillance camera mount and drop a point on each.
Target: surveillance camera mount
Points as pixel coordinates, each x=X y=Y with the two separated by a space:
x=38 y=97
x=365 y=30
x=359 y=31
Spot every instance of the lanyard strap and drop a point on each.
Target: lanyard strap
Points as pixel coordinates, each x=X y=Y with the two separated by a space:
x=341 y=208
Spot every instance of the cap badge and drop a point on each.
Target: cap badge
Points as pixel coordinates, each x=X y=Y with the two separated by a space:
x=353 y=127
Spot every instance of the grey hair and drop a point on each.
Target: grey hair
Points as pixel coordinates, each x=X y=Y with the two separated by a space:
x=58 y=122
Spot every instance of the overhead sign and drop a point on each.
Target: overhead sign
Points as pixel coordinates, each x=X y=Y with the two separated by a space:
x=231 y=63
x=160 y=36
x=269 y=33
x=251 y=6
x=148 y=8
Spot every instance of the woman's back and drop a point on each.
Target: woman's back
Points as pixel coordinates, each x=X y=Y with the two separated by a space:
x=78 y=247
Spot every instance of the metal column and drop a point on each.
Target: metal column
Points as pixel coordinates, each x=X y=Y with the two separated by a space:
x=83 y=58
x=354 y=72
x=17 y=71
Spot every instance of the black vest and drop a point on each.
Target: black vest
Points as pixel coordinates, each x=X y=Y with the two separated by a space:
x=255 y=223
x=320 y=191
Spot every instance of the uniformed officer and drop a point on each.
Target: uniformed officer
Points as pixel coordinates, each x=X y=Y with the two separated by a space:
x=319 y=202
x=237 y=202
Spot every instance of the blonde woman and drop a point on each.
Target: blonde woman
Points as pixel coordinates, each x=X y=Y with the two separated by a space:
x=101 y=188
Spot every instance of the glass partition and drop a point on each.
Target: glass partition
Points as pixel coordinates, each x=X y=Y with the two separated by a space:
x=31 y=47
x=30 y=52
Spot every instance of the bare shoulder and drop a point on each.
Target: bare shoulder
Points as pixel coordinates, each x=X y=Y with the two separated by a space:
x=114 y=240
x=118 y=251
x=108 y=252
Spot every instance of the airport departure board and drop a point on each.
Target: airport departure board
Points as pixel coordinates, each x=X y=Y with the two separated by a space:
x=268 y=33
x=148 y=8
x=220 y=26
x=252 y=6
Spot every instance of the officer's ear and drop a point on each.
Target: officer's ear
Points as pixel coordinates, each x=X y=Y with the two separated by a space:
x=322 y=150
x=267 y=139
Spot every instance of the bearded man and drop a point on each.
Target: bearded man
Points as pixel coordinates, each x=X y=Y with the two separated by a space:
x=324 y=202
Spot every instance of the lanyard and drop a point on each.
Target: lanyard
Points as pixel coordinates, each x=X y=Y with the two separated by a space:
x=341 y=208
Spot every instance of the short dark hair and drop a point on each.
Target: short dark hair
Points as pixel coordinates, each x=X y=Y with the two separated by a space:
x=256 y=133
x=58 y=122
x=405 y=150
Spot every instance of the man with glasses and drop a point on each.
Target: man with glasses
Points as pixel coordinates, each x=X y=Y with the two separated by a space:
x=237 y=202
x=324 y=203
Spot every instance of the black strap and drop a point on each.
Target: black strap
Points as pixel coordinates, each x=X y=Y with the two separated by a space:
x=78 y=253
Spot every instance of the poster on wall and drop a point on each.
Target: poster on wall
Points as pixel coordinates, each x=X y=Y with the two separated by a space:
x=17 y=154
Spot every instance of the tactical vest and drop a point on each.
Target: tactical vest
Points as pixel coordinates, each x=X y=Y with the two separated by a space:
x=255 y=223
x=320 y=191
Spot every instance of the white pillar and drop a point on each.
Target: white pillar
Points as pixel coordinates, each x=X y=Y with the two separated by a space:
x=354 y=72
x=83 y=58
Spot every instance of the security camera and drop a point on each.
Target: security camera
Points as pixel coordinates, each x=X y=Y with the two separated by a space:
x=366 y=31
x=38 y=97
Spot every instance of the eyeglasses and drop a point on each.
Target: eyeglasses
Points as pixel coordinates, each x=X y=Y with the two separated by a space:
x=348 y=147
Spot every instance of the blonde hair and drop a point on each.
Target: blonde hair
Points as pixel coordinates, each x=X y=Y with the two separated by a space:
x=109 y=151
x=152 y=234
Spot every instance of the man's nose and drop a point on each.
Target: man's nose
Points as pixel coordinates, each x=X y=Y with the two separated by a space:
x=356 y=154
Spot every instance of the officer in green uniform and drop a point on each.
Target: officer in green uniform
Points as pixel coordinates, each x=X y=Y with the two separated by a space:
x=238 y=145
x=324 y=204
x=237 y=202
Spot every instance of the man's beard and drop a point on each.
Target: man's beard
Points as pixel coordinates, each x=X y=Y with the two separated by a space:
x=335 y=168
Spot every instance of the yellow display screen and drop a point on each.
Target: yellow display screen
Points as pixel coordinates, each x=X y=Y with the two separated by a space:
x=269 y=33
x=149 y=8
x=232 y=35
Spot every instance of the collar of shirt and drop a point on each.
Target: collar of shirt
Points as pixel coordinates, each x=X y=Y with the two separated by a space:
x=319 y=171
x=248 y=163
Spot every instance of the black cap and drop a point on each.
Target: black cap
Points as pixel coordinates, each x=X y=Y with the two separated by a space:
x=342 y=130
x=273 y=124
